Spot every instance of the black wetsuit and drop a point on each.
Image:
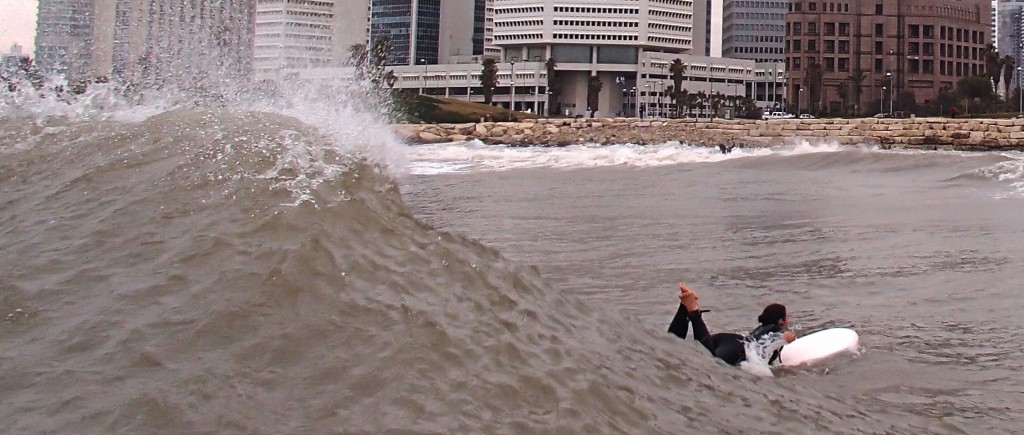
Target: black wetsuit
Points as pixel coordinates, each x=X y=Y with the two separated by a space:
x=726 y=346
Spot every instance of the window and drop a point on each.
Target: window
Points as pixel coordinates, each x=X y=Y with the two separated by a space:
x=844 y=47
x=929 y=48
x=878 y=65
x=878 y=47
x=797 y=28
x=915 y=31
x=878 y=29
x=830 y=29
x=844 y=29
x=878 y=9
x=929 y=32
x=830 y=64
x=812 y=28
x=812 y=6
x=844 y=64
x=830 y=46
x=928 y=67
x=812 y=45
x=914 y=48
x=797 y=46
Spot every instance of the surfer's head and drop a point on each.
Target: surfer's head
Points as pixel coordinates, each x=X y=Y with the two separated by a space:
x=774 y=314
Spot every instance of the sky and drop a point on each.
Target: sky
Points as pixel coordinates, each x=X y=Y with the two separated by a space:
x=18 y=24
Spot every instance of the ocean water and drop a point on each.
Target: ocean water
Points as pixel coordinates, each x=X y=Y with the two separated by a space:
x=181 y=269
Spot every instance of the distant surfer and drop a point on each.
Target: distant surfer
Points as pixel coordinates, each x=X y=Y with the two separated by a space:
x=726 y=346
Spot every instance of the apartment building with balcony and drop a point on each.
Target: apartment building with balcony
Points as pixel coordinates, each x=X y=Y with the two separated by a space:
x=919 y=46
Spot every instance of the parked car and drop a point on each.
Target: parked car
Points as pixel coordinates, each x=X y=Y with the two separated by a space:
x=882 y=115
x=806 y=116
x=777 y=115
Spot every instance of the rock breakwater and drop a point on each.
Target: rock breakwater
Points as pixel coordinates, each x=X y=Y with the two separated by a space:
x=919 y=133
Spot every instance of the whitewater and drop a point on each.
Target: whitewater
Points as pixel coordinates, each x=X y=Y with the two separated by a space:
x=292 y=268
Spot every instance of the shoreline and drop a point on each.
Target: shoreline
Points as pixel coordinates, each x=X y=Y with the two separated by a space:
x=912 y=133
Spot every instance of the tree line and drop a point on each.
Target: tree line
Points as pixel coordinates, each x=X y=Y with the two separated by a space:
x=975 y=94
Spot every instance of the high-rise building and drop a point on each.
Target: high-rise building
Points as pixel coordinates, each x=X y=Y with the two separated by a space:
x=1009 y=14
x=995 y=24
x=9 y=61
x=754 y=30
x=912 y=48
x=65 y=36
x=707 y=27
x=429 y=32
x=154 y=41
x=306 y=34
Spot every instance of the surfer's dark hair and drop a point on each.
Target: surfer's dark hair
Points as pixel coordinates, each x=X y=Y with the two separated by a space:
x=772 y=314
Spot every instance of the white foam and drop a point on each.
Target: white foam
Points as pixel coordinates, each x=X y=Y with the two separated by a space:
x=1009 y=171
x=474 y=156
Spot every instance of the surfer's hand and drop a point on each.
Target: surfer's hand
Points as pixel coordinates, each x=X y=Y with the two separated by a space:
x=790 y=336
x=688 y=297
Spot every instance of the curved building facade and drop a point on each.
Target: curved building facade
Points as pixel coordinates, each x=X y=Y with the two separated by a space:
x=627 y=44
x=921 y=46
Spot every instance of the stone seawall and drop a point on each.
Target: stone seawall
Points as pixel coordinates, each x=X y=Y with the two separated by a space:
x=920 y=133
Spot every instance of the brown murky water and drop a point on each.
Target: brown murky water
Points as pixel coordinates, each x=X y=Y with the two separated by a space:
x=207 y=272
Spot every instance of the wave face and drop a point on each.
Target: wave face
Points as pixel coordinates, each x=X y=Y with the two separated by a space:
x=238 y=271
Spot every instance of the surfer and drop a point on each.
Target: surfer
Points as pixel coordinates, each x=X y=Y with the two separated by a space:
x=727 y=346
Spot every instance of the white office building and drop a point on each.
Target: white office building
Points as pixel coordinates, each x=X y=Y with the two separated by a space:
x=754 y=30
x=306 y=34
x=627 y=45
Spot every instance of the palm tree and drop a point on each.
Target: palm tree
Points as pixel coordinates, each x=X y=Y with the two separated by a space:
x=489 y=79
x=678 y=69
x=699 y=100
x=843 y=91
x=1008 y=67
x=688 y=100
x=357 y=54
x=993 y=65
x=857 y=86
x=594 y=86
x=554 y=86
x=813 y=79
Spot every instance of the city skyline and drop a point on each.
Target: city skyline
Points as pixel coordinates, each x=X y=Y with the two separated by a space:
x=18 y=24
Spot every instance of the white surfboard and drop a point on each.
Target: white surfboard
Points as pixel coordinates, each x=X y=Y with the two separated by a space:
x=819 y=345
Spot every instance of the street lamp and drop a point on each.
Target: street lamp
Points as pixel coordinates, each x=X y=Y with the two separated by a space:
x=1020 y=109
x=775 y=93
x=881 y=101
x=888 y=77
x=424 y=90
x=660 y=113
x=799 y=98
x=636 y=107
x=512 y=102
x=647 y=100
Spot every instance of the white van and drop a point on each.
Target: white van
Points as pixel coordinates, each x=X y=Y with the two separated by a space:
x=777 y=115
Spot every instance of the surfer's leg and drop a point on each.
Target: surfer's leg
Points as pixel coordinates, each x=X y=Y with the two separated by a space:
x=680 y=323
